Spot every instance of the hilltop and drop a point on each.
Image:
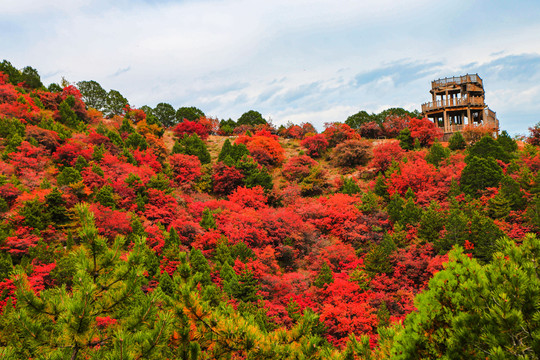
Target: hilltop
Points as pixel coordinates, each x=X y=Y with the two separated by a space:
x=123 y=236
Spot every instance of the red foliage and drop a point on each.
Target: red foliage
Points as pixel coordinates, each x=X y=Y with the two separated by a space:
x=40 y=278
x=29 y=157
x=190 y=127
x=425 y=131
x=47 y=138
x=298 y=167
x=110 y=223
x=393 y=125
x=252 y=198
x=147 y=157
x=315 y=145
x=336 y=133
x=264 y=147
x=385 y=153
x=7 y=292
x=161 y=207
x=68 y=153
x=186 y=168
x=105 y=322
x=346 y=310
x=226 y=178
x=21 y=241
x=371 y=130
x=9 y=192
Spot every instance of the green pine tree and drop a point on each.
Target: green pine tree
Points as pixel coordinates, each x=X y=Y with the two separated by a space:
x=457 y=142
x=208 y=222
x=324 y=277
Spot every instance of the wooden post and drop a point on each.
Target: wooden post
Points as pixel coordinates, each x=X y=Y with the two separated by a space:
x=469 y=115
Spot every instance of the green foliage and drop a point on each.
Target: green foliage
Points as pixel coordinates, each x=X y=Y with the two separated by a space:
x=486 y=148
x=208 y=222
x=68 y=176
x=56 y=207
x=325 y=276
x=193 y=145
x=395 y=207
x=457 y=142
x=377 y=260
x=479 y=174
x=405 y=139
x=105 y=196
x=105 y=302
x=126 y=126
x=349 y=186
x=506 y=142
x=68 y=117
x=252 y=118
x=437 y=153
x=115 y=138
x=254 y=174
x=165 y=114
x=136 y=141
x=190 y=113
x=200 y=266
x=477 y=312
x=93 y=94
x=34 y=216
x=432 y=221
x=115 y=103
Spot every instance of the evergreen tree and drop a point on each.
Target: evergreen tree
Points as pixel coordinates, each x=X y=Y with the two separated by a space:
x=349 y=186
x=381 y=188
x=136 y=141
x=193 y=145
x=432 y=221
x=325 y=276
x=67 y=115
x=200 y=266
x=229 y=277
x=81 y=163
x=486 y=148
x=104 y=315
x=395 y=207
x=506 y=142
x=208 y=222
x=473 y=312
x=377 y=260
x=457 y=142
x=456 y=230
x=479 y=174
x=56 y=207
x=226 y=150
x=34 y=216
x=437 y=153
x=498 y=206
x=405 y=139
x=105 y=197
x=247 y=286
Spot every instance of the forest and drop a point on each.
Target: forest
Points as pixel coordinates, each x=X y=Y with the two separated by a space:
x=156 y=233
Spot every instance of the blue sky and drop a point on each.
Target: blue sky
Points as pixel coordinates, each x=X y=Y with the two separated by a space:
x=292 y=60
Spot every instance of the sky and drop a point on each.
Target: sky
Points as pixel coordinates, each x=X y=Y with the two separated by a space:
x=292 y=60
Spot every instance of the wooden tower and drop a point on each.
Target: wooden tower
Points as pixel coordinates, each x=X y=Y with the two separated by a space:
x=457 y=102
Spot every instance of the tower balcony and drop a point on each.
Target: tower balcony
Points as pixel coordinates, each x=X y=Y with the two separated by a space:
x=452 y=103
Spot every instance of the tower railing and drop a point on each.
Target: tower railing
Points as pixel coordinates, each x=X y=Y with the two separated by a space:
x=458 y=80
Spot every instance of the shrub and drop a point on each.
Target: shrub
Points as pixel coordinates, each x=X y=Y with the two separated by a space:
x=352 y=153
x=315 y=145
x=298 y=167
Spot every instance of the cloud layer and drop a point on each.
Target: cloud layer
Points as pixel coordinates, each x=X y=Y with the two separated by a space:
x=294 y=60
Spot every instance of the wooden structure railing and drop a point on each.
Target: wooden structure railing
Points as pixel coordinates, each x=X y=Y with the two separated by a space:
x=452 y=102
x=458 y=80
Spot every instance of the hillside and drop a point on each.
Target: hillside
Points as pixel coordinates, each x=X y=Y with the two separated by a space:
x=124 y=238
